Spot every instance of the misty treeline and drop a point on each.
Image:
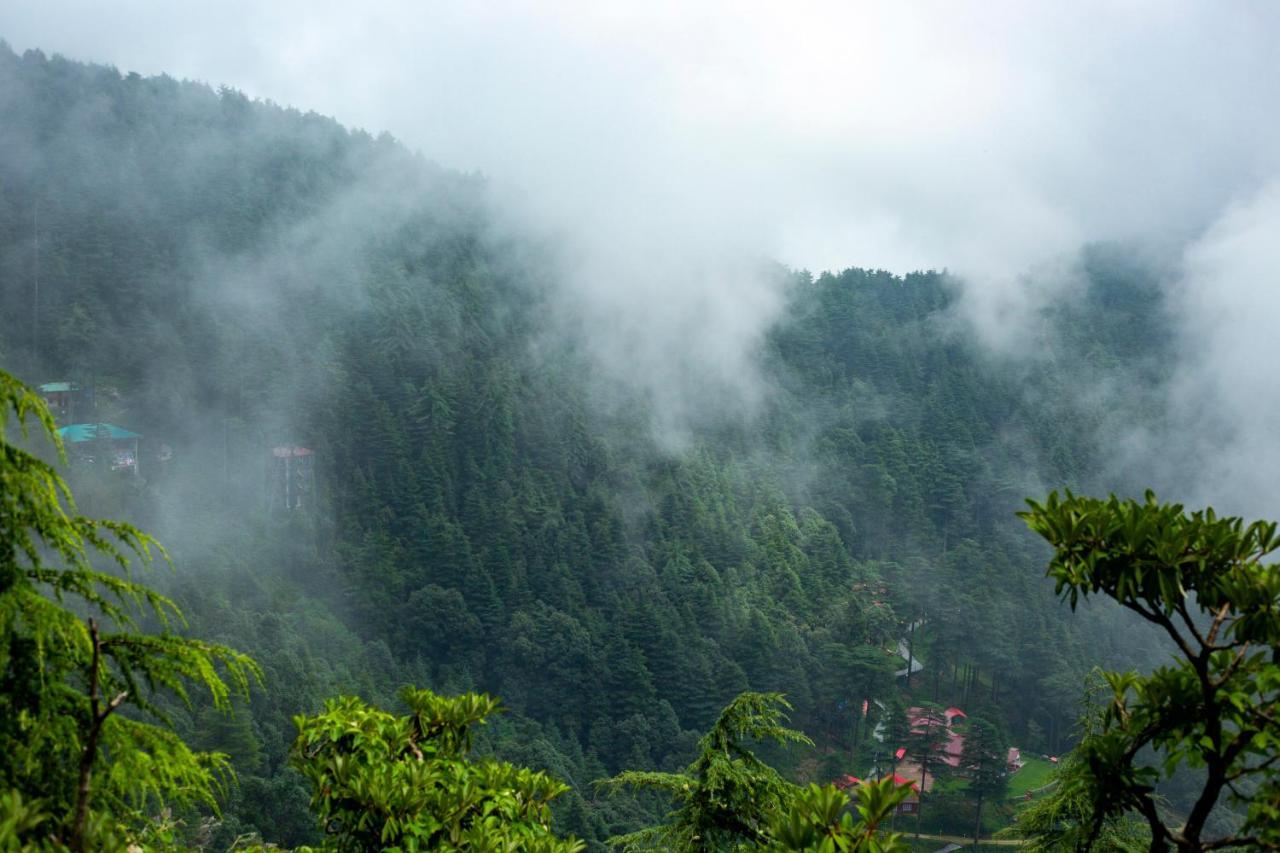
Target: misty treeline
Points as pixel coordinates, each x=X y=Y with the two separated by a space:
x=225 y=276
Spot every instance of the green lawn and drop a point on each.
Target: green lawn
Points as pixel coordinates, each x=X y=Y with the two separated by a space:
x=1035 y=773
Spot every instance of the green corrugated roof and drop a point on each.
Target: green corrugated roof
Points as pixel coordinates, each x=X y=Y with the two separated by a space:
x=89 y=432
x=54 y=387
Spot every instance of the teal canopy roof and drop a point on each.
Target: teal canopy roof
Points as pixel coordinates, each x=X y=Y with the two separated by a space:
x=89 y=432
x=54 y=387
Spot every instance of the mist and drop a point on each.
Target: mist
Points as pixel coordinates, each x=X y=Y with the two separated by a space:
x=651 y=353
x=1216 y=444
x=671 y=147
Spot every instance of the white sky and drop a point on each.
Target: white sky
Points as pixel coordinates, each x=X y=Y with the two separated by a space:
x=978 y=136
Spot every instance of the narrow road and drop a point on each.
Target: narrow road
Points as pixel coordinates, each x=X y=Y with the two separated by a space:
x=905 y=654
x=967 y=840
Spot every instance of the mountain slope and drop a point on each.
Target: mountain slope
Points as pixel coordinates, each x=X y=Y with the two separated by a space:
x=229 y=276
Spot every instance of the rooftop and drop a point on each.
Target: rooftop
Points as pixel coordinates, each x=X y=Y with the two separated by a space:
x=76 y=433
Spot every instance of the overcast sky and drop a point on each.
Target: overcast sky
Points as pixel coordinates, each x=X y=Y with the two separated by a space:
x=980 y=137
x=664 y=139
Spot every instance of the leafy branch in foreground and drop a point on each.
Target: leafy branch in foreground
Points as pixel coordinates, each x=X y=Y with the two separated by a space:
x=1062 y=818
x=727 y=796
x=77 y=771
x=388 y=782
x=1203 y=580
x=822 y=820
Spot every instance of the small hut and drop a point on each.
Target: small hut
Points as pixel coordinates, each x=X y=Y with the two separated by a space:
x=102 y=444
x=65 y=400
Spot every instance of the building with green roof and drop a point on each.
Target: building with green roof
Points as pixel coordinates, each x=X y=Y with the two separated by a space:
x=65 y=399
x=89 y=442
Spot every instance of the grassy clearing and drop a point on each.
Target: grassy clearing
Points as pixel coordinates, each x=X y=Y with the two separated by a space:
x=1035 y=773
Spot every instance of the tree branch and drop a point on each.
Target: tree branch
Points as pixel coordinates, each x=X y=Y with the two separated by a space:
x=1160 y=836
x=1218 y=621
x=1164 y=622
x=97 y=718
x=1233 y=666
x=1244 y=841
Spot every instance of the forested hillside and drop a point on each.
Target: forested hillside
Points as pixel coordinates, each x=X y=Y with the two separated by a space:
x=225 y=277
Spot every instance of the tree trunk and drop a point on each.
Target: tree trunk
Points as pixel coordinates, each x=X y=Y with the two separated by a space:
x=920 y=806
x=83 y=789
x=90 y=754
x=977 y=826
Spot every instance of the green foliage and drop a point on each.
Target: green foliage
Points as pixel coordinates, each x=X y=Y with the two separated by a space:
x=821 y=820
x=983 y=764
x=76 y=770
x=727 y=797
x=472 y=496
x=22 y=824
x=387 y=782
x=1062 y=818
x=926 y=746
x=1204 y=581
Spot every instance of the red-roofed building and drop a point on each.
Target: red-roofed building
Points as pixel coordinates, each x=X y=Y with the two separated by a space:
x=902 y=780
x=920 y=719
x=953 y=749
x=911 y=805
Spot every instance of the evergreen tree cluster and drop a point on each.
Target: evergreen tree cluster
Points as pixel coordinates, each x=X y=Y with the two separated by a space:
x=227 y=276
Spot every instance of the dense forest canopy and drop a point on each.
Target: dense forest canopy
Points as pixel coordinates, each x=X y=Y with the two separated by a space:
x=479 y=509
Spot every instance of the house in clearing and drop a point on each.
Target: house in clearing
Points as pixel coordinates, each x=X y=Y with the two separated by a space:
x=950 y=752
x=921 y=719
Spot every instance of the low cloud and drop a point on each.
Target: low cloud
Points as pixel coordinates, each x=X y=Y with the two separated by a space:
x=1218 y=442
x=667 y=142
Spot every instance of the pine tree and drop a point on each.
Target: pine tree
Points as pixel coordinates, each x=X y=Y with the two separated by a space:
x=983 y=762
x=77 y=770
x=926 y=743
x=727 y=796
